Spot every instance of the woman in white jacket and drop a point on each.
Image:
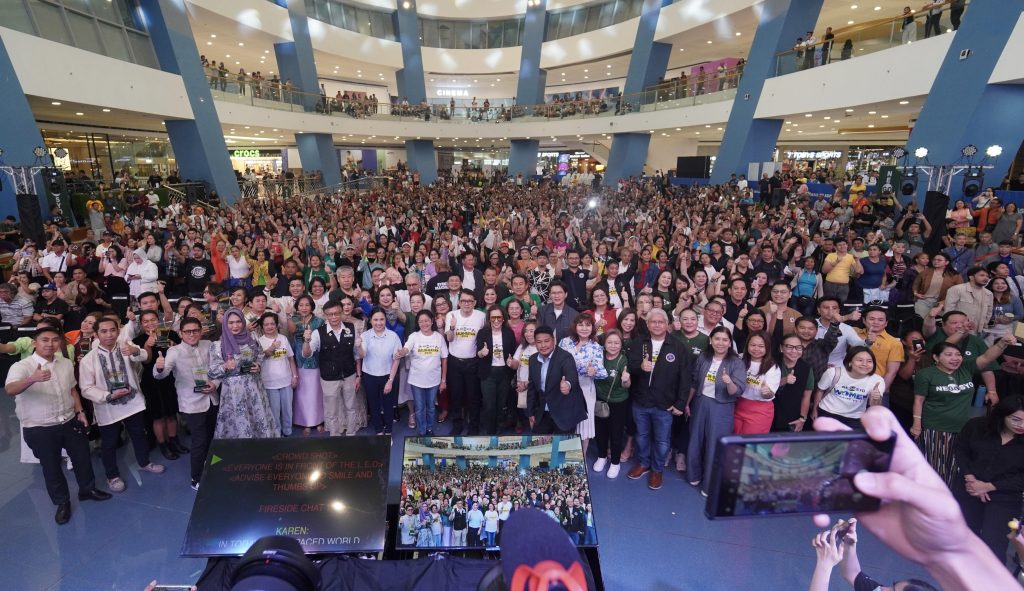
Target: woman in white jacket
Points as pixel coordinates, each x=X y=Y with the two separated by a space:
x=141 y=274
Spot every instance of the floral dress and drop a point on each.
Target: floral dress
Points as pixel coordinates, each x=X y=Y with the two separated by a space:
x=244 y=407
x=586 y=355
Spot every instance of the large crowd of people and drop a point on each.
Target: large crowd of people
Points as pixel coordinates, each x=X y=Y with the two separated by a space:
x=450 y=506
x=651 y=318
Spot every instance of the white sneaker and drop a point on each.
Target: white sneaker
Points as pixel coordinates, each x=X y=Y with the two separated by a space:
x=600 y=464
x=613 y=471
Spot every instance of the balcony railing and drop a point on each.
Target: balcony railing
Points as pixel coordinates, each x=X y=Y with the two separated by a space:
x=673 y=94
x=865 y=38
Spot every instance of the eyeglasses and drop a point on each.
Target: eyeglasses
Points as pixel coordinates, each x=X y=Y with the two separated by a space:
x=713 y=311
x=466 y=301
x=780 y=291
x=793 y=347
x=498 y=318
x=191 y=331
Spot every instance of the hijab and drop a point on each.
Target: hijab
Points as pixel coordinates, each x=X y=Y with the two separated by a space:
x=231 y=344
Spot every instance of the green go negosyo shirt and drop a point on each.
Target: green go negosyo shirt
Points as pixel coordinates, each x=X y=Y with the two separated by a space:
x=947 y=398
x=610 y=389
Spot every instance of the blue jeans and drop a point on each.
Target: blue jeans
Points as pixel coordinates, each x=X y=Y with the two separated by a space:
x=575 y=537
x=424 y=400
x=281 y=407
x=656 y=423
x=490 y=538
x=590 y=536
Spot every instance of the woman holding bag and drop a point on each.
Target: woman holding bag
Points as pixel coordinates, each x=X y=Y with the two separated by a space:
x=611 y=410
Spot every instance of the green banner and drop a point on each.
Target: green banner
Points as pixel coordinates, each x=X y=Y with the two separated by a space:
x=889 y=178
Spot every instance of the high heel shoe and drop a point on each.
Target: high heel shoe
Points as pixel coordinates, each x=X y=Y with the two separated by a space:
x=167 y=452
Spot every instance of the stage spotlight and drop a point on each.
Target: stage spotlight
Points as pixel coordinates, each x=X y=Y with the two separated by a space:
x=969 y=151
x=973 y=182
x=994 y=151
x=908 y=184
x=899 y=153
x=921 y=152
x=39 y=151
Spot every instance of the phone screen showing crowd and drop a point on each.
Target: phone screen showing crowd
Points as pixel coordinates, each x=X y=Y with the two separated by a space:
x=328 y=493
x=457 y=492
x=805 y=473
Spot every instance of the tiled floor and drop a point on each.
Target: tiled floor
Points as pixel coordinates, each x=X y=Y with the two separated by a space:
x=650 y=541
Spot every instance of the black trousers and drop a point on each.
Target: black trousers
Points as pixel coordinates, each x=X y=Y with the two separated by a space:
x=954 y=17
x=201 y=425
x=546 y=426
x=110 y=435
x=46 y=443
x=464 y=396
x=612 y=430
x=988 y=520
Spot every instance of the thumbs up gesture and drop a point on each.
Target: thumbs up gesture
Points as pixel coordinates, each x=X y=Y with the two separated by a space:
x=647 y=365
x=791 y=378
x=876 y=394
x=160 y=362
x=307 y=334
x=41 y=374
x=451 y=324
x=564 y=386
x=591 y=370
x=726 y=379
x=533 y=310
x=484 y=351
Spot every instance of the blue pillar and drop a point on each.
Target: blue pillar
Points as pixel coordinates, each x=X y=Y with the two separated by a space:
x=962 y=108
x=530 y=88
x=423 y=159
x=494 y=442
x=524 y=461
x=460 y=461
x=555 y=456
x=295 y=62
x=198 y=144
x=19 y=135
x=646 y=65
x=492 y=461
x=747 y=139
x=428 y=461
x=526 y=441
x=419 y=153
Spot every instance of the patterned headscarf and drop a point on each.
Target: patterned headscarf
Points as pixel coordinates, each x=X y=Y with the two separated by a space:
x=231 y=344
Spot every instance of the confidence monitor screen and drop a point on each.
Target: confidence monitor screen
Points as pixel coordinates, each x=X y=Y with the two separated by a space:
x=329 y=493
x=458 y=491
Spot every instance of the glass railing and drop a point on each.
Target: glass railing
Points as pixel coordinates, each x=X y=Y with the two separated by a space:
x=673 y=94
x=870 y=37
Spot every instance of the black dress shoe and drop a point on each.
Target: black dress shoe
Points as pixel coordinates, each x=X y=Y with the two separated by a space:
x=176 y=446
x=168 y=452
x=93 y=494
x=63 y=514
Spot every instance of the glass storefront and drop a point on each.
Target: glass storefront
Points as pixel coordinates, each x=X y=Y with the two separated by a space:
x=100 y=155
x=260 y=161
x=115 y=28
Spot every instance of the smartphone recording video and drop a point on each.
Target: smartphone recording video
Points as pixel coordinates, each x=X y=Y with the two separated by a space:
x=782 y=474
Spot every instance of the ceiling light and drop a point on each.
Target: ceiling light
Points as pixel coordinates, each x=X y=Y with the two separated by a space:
x=710 y=41
x=240 y=44
x=921 y=152
x=586 y=77
x=106 y=110
x=406 y=4
x=237 y=63
x=677 y=129
x=827 y=117
x=228 y=55
x=55 y=103
x=808 y=115
x=738 y=33
x=871 y=125
x=498 y=79
x=872 y=112
x=994 y=151
x=849 y=110
x=885 y=116
x=266 y=51
x=682 y=49
x=213 y=36
x=80 y=114
x=585 y=70
x=849 y=22
x=209 y=42
x=608 y=66
x=904 y=102
x=878 y=8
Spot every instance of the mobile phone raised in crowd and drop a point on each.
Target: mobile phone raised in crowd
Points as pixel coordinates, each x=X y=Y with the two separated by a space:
x=792 y=473
x=918 y=344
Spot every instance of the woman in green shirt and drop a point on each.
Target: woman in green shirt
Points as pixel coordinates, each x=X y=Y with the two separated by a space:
x=315 y=269
x=942 y=401
x=613 y=391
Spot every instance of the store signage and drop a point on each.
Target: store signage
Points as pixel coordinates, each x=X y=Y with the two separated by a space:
x=452 y=92
x=820 y=155
x=247 y=154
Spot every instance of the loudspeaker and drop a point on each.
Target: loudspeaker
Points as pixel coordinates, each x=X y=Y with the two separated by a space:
x=935 y=206
x=30 y=216
x=56 y=190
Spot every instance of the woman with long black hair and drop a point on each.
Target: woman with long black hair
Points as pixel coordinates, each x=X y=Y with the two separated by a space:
x=990 y=471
